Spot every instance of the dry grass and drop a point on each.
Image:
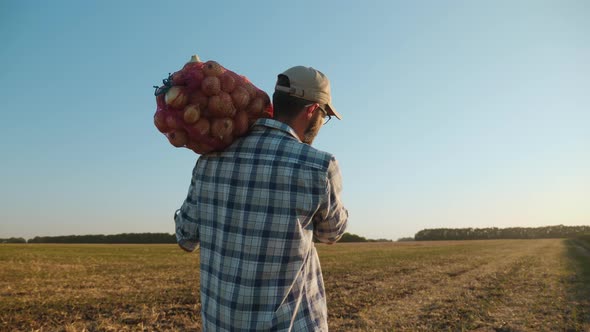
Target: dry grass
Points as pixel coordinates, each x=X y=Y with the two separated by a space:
x=528 y=285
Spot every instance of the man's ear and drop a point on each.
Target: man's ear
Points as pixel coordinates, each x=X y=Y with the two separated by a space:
x=309 y=111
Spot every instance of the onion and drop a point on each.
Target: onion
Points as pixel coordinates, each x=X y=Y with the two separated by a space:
x=214 y=106
x=160 y=121
x=227 y=106
x=228 y=82
x=212 y=68
x=171 y=121
x=178 y=138
x=176 y=97
x=265 y=99
x=252 y=91
x=240 y=97
x=202 y=126
x=241 y=123
x=191 y=114
x=199 y=147
x=221 y=105
x=193 y=79
x=228 y=139
x=256 y=106
x=178 y=78
x=211 y=85
x=222 y=127
x=198 y=98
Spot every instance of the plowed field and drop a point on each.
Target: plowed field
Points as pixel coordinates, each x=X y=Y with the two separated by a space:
x=497 y=285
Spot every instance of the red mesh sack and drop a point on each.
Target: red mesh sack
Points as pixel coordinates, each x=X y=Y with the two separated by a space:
x=205 y=107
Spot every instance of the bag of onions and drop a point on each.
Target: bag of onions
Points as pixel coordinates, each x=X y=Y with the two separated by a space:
x=204 y=106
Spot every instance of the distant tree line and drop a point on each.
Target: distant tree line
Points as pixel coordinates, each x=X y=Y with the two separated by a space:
x=13 y=240
x=116 y=238
x=405 y=239
x=379 y=240
x=349 y=237
x=139 y=238
x=559 y=231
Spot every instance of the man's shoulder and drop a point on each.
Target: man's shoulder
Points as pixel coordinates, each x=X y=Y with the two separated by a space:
x=275 y=146
x=311 y=155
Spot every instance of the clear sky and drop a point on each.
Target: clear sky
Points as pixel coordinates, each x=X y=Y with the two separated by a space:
x=455 y=113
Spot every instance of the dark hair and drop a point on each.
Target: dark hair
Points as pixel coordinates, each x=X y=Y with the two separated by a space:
x=286 y=107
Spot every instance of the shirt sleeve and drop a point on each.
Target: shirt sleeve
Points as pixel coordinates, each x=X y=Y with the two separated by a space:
x=332 y=218
x=187 y=225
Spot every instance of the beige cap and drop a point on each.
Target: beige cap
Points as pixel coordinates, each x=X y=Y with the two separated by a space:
x=309 y=84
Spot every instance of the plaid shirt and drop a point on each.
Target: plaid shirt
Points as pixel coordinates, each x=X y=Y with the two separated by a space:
x=255 y=209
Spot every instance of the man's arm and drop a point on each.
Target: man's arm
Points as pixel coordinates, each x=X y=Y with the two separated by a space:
x=331 y=220
x=187 y=226
x=187 y=233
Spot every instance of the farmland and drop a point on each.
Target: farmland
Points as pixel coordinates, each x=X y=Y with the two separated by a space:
x=494 y=285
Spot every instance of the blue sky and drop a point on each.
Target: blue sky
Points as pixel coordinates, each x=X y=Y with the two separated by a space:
x=455 y=113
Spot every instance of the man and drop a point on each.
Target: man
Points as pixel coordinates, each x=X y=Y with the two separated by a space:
x=255 y=209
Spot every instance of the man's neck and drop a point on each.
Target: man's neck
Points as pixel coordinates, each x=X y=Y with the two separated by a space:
x=297 y=124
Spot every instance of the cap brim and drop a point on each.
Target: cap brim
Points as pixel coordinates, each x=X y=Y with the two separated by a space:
x=332 y=112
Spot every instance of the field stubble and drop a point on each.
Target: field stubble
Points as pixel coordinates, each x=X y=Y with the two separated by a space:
x=511 y=285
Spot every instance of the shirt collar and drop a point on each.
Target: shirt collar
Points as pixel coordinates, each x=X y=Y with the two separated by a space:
x=275 y=124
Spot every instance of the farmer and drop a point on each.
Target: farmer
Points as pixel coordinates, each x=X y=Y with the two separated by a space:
x=256 y=208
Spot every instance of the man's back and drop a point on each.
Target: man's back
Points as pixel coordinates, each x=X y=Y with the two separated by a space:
x=255 y=208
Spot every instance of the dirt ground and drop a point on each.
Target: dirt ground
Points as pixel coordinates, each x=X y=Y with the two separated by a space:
x=532 y=285
x=495 y=285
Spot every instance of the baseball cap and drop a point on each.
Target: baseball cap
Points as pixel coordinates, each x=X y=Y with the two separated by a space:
x=309 y=84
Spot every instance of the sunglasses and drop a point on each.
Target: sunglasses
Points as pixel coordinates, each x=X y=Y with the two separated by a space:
x=327 y=117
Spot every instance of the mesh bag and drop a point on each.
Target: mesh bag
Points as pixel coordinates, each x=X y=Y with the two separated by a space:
x=205 y=107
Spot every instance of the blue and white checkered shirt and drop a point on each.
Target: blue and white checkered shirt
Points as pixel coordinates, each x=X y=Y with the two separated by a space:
x=255 y=209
